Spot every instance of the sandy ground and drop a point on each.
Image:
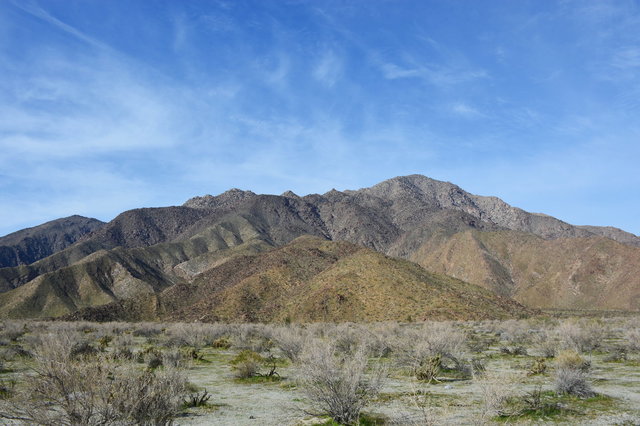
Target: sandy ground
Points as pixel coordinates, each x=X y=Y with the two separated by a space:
x=448 y=402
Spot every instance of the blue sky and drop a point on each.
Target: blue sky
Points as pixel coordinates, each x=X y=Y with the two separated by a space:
x=112 y=105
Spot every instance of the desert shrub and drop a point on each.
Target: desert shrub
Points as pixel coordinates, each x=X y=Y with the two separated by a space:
x=212 y=332
x=539 y=366
x=632 y=337
x=242 y=336
x=580 y=335
x=104 y=341
x=175 y=358
x=92 y=391
x=441 y=342
x=14 y=351
x=290 y=341
x=571 y=374
x=197 y=399
x=616 y=353
x=572 y=360
x=123 y=353
x=495 y=391
x=546 y=343
x=82 y=350
x=147 y=329
x=123 y=341
x=251 y=337
x=337 y=383
x=478 y=367
x=7 y=388
x=13 y=330
x=114 y=328
x=442 y=339
x=427 y=369
x=478 y=343
x=193 y=354
x=573 y=382
x=151 y=356
x=221 y=343
x=425 y=411
x=247 y=364
x=262 y=344
x=319 y=330
x=85 y=327
x=377 y=342
x=347 y=337
x=515 y=332
x=155 y=362
x=193 y=335
x=513 y=350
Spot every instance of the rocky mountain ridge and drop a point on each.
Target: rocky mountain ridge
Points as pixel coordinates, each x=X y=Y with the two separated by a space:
x=31 y=244
x=536 y=259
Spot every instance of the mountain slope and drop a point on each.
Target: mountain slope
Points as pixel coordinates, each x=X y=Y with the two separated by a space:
x=478 y=239
x=32 y=244
x=311 y=279
x=575 y=273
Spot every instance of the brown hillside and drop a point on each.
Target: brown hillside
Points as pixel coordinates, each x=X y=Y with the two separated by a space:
x=312 y=279
x=578 y=273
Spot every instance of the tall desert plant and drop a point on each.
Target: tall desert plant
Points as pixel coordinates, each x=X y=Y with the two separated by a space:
x=337 y=384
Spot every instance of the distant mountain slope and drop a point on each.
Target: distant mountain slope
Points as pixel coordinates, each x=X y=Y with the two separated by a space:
x=408 y=196
x=32 y=244
x=311 y=279
x=133 y=228
x=614 y=234
x=478 y=239
x=123 y=274
x=576 y=273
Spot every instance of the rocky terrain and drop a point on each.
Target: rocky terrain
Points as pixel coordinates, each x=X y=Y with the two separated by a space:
x=143 y=254
x=32 y=244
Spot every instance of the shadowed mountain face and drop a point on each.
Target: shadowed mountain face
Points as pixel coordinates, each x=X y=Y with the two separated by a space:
x=538 y=260
x=32 y=244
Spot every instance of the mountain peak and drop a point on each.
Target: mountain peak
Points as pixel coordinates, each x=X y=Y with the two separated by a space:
x=290 y=194
x=231 y=196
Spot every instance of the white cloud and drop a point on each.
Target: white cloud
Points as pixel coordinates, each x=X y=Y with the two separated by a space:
x=100 y=107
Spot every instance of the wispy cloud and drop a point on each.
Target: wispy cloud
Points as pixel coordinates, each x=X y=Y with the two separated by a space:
x=627 y=58
x=465 y=110
x=33 y=9
x=147 y=108
x=436 y=75
x=99 y=107
x=328 y=68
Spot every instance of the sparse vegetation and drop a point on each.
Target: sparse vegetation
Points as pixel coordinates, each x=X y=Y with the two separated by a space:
x=573 y=382
x=69 y=389
x=338 y=384
x=57 y=372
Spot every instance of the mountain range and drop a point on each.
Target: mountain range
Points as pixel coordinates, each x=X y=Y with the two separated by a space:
x=408 y=247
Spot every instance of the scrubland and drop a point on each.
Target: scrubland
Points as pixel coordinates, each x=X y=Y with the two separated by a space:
x=534 y=371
